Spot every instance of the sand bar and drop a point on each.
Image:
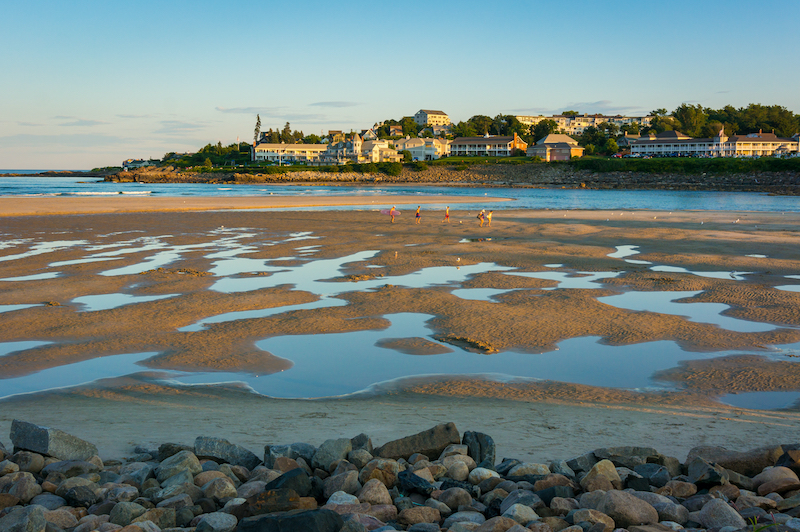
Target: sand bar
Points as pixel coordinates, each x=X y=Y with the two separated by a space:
x=24 y=206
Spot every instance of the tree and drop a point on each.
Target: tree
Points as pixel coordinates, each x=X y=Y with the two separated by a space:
x=407 y=157
x=481 y=124
x=311 y=139
x=570 y=113
x=611 y=147
x=410 y=127
x=544 y=128
x=286 y=134
x=257 y=132
x=463 y=129
x=691 y=119
x=207 y=163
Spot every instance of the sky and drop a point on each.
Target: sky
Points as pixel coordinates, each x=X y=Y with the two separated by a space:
x=85 y=84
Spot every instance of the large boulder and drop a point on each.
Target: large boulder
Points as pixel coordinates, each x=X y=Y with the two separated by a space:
x=219 y=449
x=316 y=520
x=331 y=451
x=748 y=463
x=480 y=447
x=717 y=513
x=27 y=519
x=183 y=461
x=626 y=509
x=430 y=442
x=50 y=442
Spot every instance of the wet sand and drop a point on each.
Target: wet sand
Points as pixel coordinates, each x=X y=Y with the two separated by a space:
x=543 y=420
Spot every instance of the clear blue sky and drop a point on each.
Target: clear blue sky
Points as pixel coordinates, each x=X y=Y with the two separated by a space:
x=90 y=83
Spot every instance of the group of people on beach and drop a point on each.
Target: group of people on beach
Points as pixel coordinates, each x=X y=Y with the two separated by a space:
x=483 y=216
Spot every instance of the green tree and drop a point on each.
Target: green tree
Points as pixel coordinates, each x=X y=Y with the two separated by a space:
x=410 y=127
x=257 y=131
x=691 y=119
x=207 y=163
x=481 y=124
x=463 y=129
x=311 y=139
x=407 y=157
x=570 y=113
x=611 y=147
x=544 y=128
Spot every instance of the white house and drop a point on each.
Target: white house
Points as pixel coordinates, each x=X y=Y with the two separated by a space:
x=288 y=153
x=750 y=145
x=425 y=117
x=423 y=149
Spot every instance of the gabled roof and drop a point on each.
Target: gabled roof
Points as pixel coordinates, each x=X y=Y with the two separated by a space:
x=484 y=140
x=429 y=112
x=555 y=138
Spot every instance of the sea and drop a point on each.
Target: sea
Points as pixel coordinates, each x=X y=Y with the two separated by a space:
x=522 y=197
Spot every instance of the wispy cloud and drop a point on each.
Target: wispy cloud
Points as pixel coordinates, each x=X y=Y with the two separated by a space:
x=269 y=111
x=73 y=141
x=334 y=104
x=79 y=122
x=276 y=113
x=134 y=116
x=178 y=127
x=29 y=124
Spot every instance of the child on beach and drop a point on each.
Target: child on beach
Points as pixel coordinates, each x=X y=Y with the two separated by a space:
x=480 y=216
x=489 y=219
x=417 y=215
x=446 y=214
x=392 y=213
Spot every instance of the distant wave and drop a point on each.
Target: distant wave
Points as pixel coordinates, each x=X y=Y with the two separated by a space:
x=138 y=192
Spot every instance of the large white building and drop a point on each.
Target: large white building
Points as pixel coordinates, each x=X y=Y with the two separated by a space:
x=423 y=149
x=749 y=145
x=288 y=153
x=575 y=125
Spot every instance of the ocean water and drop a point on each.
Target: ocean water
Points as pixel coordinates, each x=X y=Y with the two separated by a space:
x=523 y=198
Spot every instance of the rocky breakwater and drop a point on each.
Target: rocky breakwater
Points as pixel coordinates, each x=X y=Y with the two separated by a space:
x=428 y=482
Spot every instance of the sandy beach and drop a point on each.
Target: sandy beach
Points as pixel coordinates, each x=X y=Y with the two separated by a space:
x=529 y=420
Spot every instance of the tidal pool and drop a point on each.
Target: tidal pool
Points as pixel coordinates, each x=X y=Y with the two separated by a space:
x=570 y=280
x=762 y=400
x=108 y=301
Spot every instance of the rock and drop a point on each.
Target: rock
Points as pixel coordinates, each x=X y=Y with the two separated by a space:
x=124 y=513
x=748 y=463
x=293 y=451
x=359 y=457
x=430 y=442
x=161 y=517
x=563 y=506
x=523 y=497
x=480 y=447
x=177 y=502
x=222 y=450
x=28 y=519
x=70 y=468
x=316 y=520
x=454 y=498
x=680 y=489
x=411 y=483
x=479 y=474
x=553 y=479
x=203 y=478
x=21 y=485
x=28 y=461
x=341 y=498
x=216 y=522
x=50 y=442
x=626 y=456
x=747 y=500
x=669 y=511
x=423 y=527
x=383 y=512
x=773 y=473
x=790 y=458
x=374 y=492
x=497 y=524
x=716 y=513
x=521 y=514
x=527 y=468
x=458 y=471
x=657 y=475
x=181 y=461
x=548 y=494
x=219 y=488
x=122 y=493
x=593 y=516
x=582 y=463
x=346 y=482
x=779 y=485
x=419 y=514
x=137 y=471
x=381 y=469
x=295 y=479
x=706 y=474
x=626 y=509
x=270 y=501
x=49 y=501
x=464 y=517
x=81 y=496
x=61 y=518
x=331 y=451
x=605 y=470
x=7 y=467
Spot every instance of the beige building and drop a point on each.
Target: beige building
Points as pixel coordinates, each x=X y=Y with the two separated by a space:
x=425 y=117
x=555 y=147
x=487 y=146
x=675 y=143
x=575 y=125
x=423 y=149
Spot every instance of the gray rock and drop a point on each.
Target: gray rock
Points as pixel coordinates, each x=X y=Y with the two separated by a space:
x=359 y=457
x=626 y=456
x=561 y=467
x=362 y=442
x=374 y=492
x=346 y=482
x=657 y=475
x=28 y=519
x=28 y=461
x=669 y=511
x=525 y=497
x=705 y=473
x=81 y=496
x=521 y=513
x=584 y=462
x=626 y=509
x=217 y=522
x=181 y=477
x=717 y=514
x=430 y=442
x=455 y=498
x=748 y=463
x=22 y=485
x=331 y=451
x=464 y=517
x=184 y=460
x=481 y=448
x=71 y=468
x=124 y=513
x=295 y=450
x=49 y=501
x=137 y=471
x=50 y=442
x=220 y=449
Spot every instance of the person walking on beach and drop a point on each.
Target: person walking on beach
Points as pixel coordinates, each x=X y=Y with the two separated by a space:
x=417 y=215
x=392 y=213
x=480 y=216
x=489 y=218
x=447 y=214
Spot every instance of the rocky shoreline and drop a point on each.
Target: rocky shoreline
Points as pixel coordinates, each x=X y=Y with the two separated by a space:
x=521 y=175
x=435 y=480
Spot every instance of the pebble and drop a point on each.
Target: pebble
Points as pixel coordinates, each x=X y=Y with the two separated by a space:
x=346 y=486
